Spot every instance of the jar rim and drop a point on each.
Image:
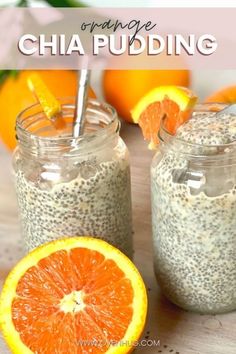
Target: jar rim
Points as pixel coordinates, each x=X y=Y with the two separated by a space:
x=65 y=101
x=166 y=137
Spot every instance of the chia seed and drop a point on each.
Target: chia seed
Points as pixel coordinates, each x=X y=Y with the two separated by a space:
x=95 y=203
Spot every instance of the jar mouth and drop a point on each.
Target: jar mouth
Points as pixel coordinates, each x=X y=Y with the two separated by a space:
x=105 y=113
x=37 y=133
x=186 y=147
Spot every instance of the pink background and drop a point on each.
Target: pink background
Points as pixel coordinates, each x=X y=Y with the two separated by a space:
x=219 y=22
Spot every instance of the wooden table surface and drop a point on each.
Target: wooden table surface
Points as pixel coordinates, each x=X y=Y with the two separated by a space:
x=169 y=329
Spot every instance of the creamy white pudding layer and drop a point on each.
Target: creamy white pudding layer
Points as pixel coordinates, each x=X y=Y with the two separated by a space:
x=93 y=200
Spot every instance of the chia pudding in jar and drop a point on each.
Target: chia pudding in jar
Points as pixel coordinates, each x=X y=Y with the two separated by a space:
x=194 y=212
x=73 y=187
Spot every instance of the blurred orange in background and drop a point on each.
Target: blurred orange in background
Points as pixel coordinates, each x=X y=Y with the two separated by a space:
x=124 y=88
x=225 y=95
x=15 y=96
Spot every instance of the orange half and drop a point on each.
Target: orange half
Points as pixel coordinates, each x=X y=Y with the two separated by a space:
x=77 y=295
x=173 y=102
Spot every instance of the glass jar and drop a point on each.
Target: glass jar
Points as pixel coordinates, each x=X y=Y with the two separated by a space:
x=194 y=215
x=73 y=187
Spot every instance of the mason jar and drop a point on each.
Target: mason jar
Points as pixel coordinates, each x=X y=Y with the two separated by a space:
x=73 y=187
x=193 y=178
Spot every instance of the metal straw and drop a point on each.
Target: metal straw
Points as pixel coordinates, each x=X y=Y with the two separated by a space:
x=81 y=102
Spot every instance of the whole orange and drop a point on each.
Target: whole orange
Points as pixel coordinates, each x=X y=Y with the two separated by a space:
x=15 y=96
x=124 y=88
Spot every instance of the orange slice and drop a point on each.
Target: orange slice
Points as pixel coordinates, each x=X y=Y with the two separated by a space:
x=73 y=296
x=173 y=102
x=50 y=105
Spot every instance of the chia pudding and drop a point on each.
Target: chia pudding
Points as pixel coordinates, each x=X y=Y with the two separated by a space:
x=75 y=193
x=194 y=214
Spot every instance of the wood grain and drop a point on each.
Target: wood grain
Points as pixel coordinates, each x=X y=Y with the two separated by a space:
x=178 y=331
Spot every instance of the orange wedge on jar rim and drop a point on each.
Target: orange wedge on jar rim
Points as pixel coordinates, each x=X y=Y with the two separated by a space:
x=49 y=103
x=172 y=102
x=73 y=296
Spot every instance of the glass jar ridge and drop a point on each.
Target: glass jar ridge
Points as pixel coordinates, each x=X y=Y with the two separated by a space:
x=38 y=135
